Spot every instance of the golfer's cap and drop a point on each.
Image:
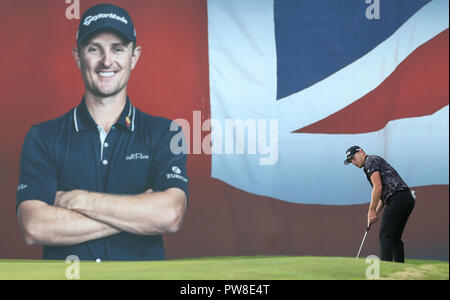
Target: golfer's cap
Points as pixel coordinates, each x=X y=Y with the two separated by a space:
x=350 y=152
x=106 y=17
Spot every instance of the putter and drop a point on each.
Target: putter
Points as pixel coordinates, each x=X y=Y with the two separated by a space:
x=364 y=238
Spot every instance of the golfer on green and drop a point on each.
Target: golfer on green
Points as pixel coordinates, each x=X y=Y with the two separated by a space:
x=394 y=194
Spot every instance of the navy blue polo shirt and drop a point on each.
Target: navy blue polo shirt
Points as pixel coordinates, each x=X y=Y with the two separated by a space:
x=72 y=152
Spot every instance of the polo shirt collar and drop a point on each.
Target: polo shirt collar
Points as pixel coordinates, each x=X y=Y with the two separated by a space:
x=83 y=120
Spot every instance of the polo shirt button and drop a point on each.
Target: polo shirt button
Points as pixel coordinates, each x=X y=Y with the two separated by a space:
x=105 y=162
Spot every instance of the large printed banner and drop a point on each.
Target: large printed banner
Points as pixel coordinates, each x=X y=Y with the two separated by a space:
x=281 y=88
x=301 y=81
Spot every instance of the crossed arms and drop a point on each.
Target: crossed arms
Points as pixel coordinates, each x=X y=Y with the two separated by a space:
x=79 y=216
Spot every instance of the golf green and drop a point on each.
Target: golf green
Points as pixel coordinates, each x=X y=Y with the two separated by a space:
x=227 y=268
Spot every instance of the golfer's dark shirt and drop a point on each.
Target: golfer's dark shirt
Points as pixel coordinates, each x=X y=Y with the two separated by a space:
x=67 y=154
x=392 y=182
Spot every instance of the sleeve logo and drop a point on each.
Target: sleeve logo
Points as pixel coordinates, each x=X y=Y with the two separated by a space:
x=176 y=174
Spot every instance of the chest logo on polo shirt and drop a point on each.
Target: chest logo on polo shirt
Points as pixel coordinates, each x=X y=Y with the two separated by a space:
x=136 y=156
x=21 y=187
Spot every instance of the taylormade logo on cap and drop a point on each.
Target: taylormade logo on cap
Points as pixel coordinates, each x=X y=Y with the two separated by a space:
x=106 y=17
x=90 y=19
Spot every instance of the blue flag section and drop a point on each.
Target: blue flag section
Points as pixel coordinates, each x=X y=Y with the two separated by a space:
x=315 y=39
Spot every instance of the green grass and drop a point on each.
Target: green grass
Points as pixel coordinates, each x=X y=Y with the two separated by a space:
x=228 y=268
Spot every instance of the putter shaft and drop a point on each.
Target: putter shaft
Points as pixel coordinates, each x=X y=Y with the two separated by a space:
x=364 y=238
